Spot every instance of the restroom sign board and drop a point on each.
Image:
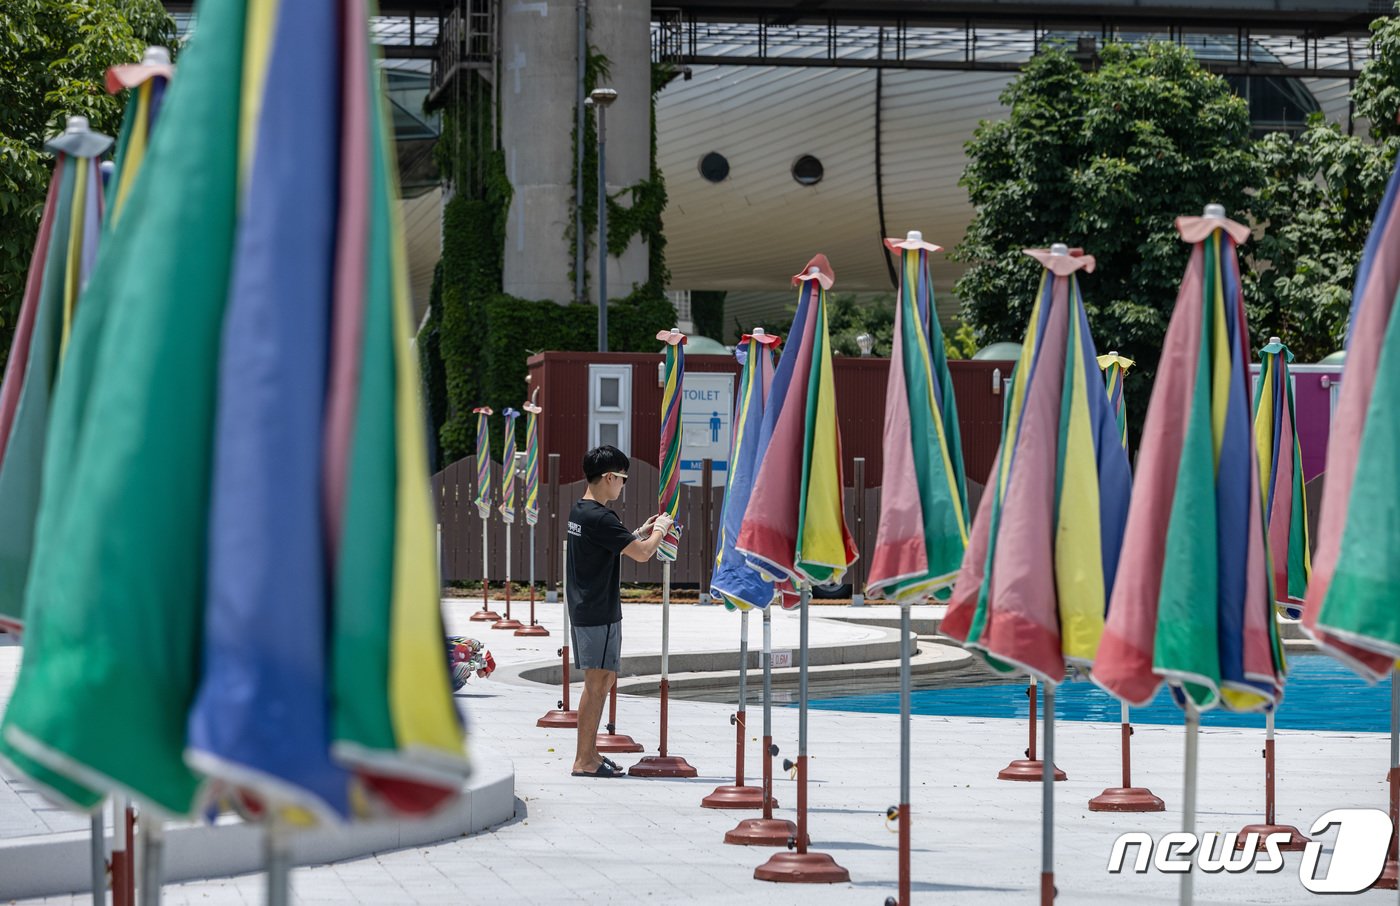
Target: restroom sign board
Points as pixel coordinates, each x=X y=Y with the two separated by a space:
x=707 y=426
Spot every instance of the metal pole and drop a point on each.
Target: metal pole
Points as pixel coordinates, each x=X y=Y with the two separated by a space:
x=580 y=128
x=1269 y=767
x=1047 y=804
x=532 y=575
x=1127 y=732
x=1030 y=693
x=152 y=855
x=603 y=232
x=665 y=646
x=97 y=856
x=1394 y=777
x=568 y=636
x=739 y=721
x=1188 y=804
x=905 y=730
x=120 y=864
x=802 y=725
x=768 y=712
x=485 y=568
x=279 y=863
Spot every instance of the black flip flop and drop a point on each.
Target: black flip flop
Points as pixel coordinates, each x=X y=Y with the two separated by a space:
x=617 y=768
x=604 y=770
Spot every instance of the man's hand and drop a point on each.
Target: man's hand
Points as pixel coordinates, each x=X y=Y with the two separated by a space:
x=645 y=530
x=661 y=523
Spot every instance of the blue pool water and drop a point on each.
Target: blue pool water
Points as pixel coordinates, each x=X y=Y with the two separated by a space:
x=1321 y=694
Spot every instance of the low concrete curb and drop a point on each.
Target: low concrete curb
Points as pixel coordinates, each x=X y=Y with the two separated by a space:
x=54 y=864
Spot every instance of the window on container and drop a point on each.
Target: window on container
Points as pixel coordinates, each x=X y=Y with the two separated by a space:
x=714 y=167
x=807 y=170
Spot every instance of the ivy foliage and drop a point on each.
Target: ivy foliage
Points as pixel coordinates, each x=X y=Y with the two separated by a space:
x=53 y=58
x=1104 y=160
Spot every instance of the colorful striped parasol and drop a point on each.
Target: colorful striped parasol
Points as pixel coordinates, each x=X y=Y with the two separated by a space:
x=1044 y=554
x=1057 y=501
x=1281 y=467
x=224 y=413
x=1115 y=368
x=483 y=461
x=1192 y=605
x=923 y=509
x=669 y=489
x=147 y=81
x=794 y=527
x=923 y=506
x=507 y=506
x=734 y=582
x=63 y=259
x=1350 y=608
x=532 y=463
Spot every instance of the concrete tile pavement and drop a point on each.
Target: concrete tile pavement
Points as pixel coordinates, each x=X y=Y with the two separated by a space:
x=976 y=839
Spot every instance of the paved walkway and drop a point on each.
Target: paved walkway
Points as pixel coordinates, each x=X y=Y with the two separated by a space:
x=976 y=839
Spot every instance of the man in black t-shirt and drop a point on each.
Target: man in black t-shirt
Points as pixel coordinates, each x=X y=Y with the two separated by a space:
x=593 y=588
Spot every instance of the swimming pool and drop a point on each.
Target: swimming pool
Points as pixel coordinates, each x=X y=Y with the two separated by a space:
x=1321 y=695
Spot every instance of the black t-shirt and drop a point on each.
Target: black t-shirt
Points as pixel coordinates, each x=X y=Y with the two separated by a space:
x=596 y=541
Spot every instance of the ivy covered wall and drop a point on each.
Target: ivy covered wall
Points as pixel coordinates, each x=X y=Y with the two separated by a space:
x=476 y=339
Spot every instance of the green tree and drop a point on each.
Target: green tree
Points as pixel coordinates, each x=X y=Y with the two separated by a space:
x=53 y=58
x=1319 y=196
x=848 y=315
x=1104 y=160
x=1318 y=199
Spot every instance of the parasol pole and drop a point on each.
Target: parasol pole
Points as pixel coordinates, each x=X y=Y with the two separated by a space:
x=483 y=509
x=563 y=717
x=905 y=732
x=121 y=864
x=1389 y=874
x=532 y=495
x=1030 y=767
x=279 y=860
x=612 y=741
x=1296 y=841
x=801 y=866
x=509 y=468
x=1126 y=798
x=738 y=795
x=668 y=498
x=97 y=855
x=1047 y=805
x=152 y=856
x=765 y=831
x=664 y=764
x=1188 y=798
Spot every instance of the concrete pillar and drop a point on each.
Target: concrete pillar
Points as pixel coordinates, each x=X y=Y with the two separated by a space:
x=537 y=71
x=620 y=30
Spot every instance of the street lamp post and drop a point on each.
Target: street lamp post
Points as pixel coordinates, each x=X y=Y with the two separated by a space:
x=602 y=98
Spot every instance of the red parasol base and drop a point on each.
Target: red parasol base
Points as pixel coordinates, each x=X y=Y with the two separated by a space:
x=734 y=797
x=1389 y=876
x=663 y=766
x=1026 y=769
x=1047 y=888
x=559 y=719
x=763 y=832
x=1126 y=799
x=482 y=616
x=801 y=868
x=507 y=624
x=618 y=742
x=1296 y=844
x=532 y=629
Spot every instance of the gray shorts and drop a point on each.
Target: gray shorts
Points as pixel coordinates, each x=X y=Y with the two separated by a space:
x=598 y=647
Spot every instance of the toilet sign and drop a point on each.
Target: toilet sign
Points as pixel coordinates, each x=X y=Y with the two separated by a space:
x=707 y=425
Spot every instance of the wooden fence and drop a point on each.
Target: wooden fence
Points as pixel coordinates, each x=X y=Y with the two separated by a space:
x=455 y=488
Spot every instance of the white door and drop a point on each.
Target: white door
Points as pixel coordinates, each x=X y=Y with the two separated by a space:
x=610 y=406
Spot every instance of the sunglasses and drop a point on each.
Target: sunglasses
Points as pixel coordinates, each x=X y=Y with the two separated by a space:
x=622 y=475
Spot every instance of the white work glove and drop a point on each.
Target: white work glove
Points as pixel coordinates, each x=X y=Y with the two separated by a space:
x=645 y=530
x=662 y=524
